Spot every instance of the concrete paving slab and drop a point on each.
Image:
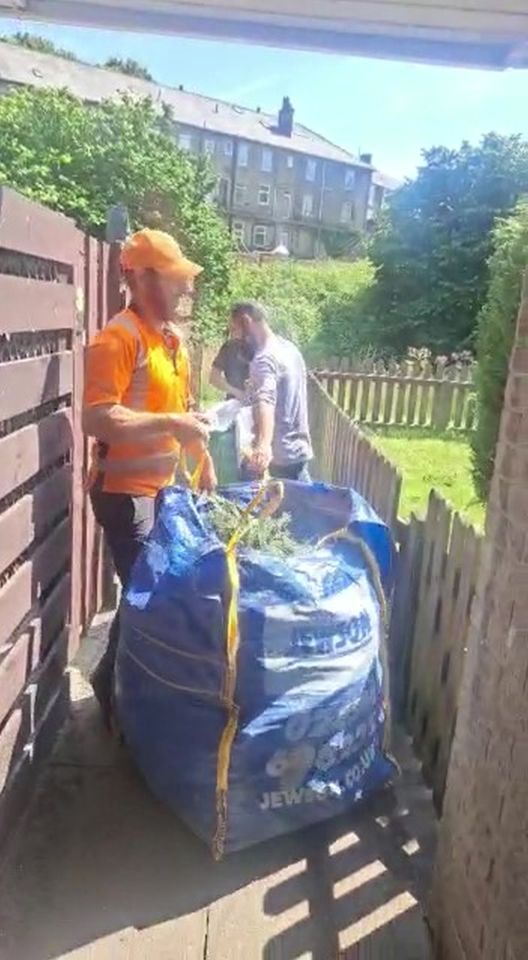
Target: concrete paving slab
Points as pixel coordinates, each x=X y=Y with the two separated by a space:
x=101 y=871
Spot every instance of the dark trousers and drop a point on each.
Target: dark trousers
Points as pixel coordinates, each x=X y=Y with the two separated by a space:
x=126 y=522
x=291 y=471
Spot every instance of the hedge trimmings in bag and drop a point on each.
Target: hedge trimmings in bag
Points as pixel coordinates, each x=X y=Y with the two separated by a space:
x=271 y=534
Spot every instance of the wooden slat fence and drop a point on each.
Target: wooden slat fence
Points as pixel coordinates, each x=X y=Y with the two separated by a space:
x=438 y=560
x=410 y=394
x=344 y=456
x=53 y=575
x=449 y=556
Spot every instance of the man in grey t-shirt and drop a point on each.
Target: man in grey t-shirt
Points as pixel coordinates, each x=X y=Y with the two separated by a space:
x=277 y=390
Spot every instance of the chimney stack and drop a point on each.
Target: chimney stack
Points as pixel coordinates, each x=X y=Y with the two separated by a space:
x=285 y=124
x=366 y=158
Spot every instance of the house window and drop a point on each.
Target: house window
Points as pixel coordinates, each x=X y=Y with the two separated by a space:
x=238 y=231
x=228 y=148
x=267 y=160
x=311 y=170
x=260 y=236
x=307 y=205
x=289 y=161
x=264 y=195
x=286 y=205
x=240 y=194
x=243 y=155
x=350 y=179
x=185 y=141
x=284 y=238
x=347 y=212
x=209 y=147
x=223 y=191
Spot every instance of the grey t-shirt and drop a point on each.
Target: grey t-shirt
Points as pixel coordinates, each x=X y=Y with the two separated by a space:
x=277 y=376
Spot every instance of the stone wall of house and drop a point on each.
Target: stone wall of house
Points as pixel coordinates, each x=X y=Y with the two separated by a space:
x=479 y=907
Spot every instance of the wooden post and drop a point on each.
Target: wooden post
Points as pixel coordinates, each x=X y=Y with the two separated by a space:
x=114 y=300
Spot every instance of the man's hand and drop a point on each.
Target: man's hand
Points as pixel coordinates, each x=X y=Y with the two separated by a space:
x=190 y=428
x=260 y=459
x=208 y=480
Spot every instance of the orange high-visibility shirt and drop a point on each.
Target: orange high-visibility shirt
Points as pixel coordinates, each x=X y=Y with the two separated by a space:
x=132 y=364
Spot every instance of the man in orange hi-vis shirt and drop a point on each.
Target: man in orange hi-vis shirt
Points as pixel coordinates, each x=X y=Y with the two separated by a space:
x=136 y=404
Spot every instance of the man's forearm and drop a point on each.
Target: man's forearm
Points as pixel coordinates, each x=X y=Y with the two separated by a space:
x=118 y=424
x=264 y=420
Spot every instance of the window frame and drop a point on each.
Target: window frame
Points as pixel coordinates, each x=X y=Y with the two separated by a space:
x=264 y=167
x=237 y=202
x=310 y=173
x=184 y=136
x=260 y=227
x=350 y=178
x=307 y=197
x=243 y=154
x=239 y=236
x=267 y=189
x=347 y=204
x=287 y=196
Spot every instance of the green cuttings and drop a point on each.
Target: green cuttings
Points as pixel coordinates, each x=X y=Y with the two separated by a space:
x=269 y=534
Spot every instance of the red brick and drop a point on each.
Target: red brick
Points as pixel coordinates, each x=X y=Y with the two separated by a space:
x=519 y=359
x=517 y=395
x=481 y=884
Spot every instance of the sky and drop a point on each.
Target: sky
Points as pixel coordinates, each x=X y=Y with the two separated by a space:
x=388 y=108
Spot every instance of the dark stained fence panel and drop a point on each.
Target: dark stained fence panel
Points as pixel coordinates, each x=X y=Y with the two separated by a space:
x=32 y=230
x=24 y=589
x=54 y=288
x=31 y=305
x=30 y=383
x=21 y=656
x=33 y=515
x=32 y=449
x=20 y=727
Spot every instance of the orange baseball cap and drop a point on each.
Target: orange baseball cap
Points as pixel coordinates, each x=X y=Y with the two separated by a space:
x=155 y=250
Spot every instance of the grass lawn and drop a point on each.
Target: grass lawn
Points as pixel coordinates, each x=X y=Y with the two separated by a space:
x=426 y=461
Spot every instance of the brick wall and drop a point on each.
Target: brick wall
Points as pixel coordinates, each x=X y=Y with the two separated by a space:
x=479 y=906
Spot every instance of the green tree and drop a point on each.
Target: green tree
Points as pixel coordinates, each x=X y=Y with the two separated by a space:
x=496 y=328
x=129 y=66
x=39 y=44
x=82 y=159
x=433 y=246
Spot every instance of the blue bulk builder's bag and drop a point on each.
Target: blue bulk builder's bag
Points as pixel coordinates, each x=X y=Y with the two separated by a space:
x=251 y=689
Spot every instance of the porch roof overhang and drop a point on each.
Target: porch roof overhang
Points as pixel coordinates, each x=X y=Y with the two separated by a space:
x=479 y=33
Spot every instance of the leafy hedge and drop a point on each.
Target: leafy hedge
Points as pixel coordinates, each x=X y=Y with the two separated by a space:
x=496 y=328
x=317 y=304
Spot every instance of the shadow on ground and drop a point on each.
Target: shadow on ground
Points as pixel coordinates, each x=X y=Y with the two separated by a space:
x=102 y=872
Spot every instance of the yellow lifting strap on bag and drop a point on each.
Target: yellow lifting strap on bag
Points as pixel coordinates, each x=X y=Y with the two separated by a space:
x=232 y=646
x=192 y=479
x=374 y=570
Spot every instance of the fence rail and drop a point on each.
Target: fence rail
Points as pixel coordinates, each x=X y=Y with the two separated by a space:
x=438 y=560
x=411 y=394
x=53 y=574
